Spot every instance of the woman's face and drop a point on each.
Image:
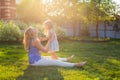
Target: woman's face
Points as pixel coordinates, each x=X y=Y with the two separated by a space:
x=35 y=32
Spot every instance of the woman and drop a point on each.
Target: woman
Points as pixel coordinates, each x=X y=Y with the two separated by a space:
x=34 y=47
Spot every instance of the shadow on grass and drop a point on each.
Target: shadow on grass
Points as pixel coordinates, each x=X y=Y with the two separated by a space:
x=41 y=73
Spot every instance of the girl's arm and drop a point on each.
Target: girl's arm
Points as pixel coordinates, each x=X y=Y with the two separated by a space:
x=49 y=36
x=37 y=44
x=43 y=38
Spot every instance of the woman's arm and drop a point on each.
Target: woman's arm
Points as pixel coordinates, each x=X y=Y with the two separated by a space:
x=37 y=44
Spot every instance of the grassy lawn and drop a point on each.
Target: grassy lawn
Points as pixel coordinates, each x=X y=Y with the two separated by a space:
x=103 y=62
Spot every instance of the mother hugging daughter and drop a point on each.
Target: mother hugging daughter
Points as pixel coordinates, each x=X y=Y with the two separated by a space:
x=33 y=45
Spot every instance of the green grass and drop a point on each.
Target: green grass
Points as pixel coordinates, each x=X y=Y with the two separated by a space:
x=103 y=62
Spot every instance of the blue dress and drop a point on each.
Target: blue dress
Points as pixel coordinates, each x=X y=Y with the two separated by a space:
x=54 y=45
x=34 y=54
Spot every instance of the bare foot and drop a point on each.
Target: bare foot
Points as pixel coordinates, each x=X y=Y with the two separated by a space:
x=81 y=64
x=70 y=58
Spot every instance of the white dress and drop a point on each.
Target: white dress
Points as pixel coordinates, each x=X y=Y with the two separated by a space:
x=54 y=46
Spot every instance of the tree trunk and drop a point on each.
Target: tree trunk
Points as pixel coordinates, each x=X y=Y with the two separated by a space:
x=105 y=29
x=115 y=28
x=79 y=29
x=114 y=34
x=97 y=35
x=74 y=29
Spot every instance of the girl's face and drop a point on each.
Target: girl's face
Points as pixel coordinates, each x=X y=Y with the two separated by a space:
x=47 y=27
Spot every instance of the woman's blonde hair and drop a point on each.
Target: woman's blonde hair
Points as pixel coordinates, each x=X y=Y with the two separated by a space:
x=27 y=37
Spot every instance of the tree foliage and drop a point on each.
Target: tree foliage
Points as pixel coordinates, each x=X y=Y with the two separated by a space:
x=68 y=11
x=30 y=11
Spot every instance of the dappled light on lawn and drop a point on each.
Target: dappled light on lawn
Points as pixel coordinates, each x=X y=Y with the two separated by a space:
x=103 y=62
x=114 y=61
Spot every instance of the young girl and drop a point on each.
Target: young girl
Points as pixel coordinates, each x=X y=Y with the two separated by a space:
x=50 y=33
x=33 y=45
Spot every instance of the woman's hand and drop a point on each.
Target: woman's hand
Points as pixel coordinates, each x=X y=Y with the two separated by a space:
x=37 y=43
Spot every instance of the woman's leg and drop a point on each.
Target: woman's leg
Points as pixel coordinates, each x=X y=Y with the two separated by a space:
x=62 y=59
x=66 y=59
x=59 y=58
x=50 y=62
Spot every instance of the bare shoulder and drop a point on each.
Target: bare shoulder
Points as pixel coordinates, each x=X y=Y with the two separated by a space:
x=36 y=41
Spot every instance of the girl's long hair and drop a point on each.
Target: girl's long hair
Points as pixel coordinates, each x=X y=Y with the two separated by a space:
x=27 y=37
